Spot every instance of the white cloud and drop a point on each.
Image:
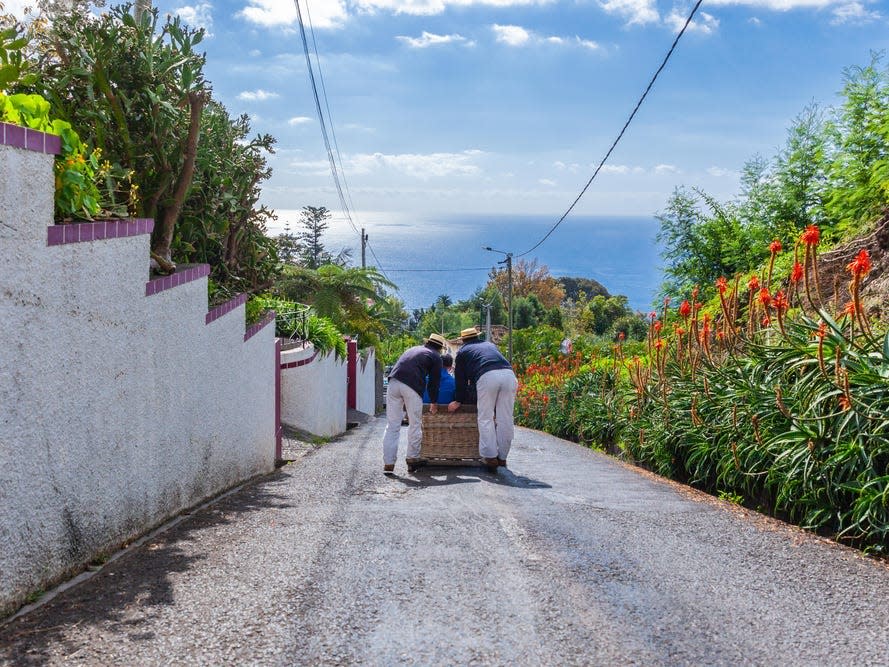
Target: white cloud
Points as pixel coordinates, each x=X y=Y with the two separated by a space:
x=427 y=39
x=270 y=13
x=587 y=43
x=256 y=95
x=634 y=11
x=17 y=7
x=514 y=35
x=547 y=181
x=840 y=7
x=854 y=13
x=299 y=120
x=423 y=167
x=666 y=169
x=704 y=23
x=754 y=21
x=254 y=53
x=721 y=172
x=197 y=16
x=430 y=7
x=511 y=34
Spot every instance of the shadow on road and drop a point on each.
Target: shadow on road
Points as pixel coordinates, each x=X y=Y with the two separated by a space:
x=125 y=593
x=440 y=475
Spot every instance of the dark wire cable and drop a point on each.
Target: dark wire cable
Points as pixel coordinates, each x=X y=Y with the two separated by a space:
x=324 y=134
x=624 y=129
x=336 y=145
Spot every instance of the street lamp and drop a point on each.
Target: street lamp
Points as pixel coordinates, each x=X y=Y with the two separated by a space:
x=508 y=262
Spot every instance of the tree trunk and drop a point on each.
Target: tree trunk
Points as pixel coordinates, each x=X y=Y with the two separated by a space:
x=171 y=212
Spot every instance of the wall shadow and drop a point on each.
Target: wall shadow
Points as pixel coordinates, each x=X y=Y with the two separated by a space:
x=140 y=579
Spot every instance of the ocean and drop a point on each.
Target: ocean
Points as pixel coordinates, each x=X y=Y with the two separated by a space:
x=443 y=255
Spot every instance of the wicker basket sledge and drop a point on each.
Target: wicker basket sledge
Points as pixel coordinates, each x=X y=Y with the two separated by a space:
x=450 y=437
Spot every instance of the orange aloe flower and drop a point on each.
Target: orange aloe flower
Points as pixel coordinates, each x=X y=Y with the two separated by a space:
x=753 y=283
x=721 y=284
x=765 y=298
x=775 y=247
x=685 y=309
x=860 y=266
x=811 y=235
x=796 y=273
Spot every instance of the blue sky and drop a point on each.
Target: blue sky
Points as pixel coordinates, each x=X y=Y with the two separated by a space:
x=506 y=106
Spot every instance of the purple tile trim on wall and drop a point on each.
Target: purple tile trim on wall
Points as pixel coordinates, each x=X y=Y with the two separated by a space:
x=79 y=232
x=227 y=307
x=185 y=273
x=254 y=329
x=30 y=140
x=301 y=362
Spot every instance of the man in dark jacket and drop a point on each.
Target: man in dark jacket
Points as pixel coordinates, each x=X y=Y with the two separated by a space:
x=481 y=365
x=404 y=393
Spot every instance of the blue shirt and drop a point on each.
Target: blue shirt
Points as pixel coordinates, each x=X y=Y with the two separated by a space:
x=445 y=388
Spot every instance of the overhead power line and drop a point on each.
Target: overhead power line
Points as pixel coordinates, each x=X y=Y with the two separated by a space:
x=333 y=154
x=621 y=134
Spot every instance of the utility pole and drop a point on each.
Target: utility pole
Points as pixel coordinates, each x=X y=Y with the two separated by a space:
x=364 y=238
x=509 y=320
x=487 y=307
x=508 y=262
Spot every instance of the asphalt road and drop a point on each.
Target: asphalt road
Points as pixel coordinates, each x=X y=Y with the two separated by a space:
x=567 y=558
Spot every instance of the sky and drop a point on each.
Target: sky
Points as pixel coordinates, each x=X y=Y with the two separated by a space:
x=443 y=107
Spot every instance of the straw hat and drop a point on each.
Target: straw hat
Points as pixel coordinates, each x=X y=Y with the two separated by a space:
x=471 y=332
x=438 y=339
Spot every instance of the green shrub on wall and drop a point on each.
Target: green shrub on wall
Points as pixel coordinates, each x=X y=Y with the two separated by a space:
x=78 y=171
x=295 y=320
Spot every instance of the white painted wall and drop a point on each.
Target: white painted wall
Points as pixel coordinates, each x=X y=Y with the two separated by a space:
x=313 y=395
x=117 y=410
x=365 y=395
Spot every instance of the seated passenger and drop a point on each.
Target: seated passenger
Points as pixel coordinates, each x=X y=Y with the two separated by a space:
x=447 y=386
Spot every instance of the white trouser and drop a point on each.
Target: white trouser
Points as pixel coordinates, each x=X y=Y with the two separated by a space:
x=496 y=398
x=400 y=398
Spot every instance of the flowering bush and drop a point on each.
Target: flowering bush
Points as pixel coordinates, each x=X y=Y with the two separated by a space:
x=79 y=172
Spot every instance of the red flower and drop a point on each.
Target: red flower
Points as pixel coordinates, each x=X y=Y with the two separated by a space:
x=721 y=284
x=765 y=298
x=796 y=273
x=811 y=235
x=685 y=309
x=659 y=343
x=679 y=331
x=652 y=316
x=848 y=309
x=775 y=247
x=860 y=266
x=753 y=283
x=845 y=403
x=822 y=330
x=666 y=301
x=780 y=302
x=621 y=335
x=657 y=326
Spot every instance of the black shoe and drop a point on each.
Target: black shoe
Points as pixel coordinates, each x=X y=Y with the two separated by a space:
x=415 y=464
x=389 y=467
x=491 y=464
x=501 y=462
